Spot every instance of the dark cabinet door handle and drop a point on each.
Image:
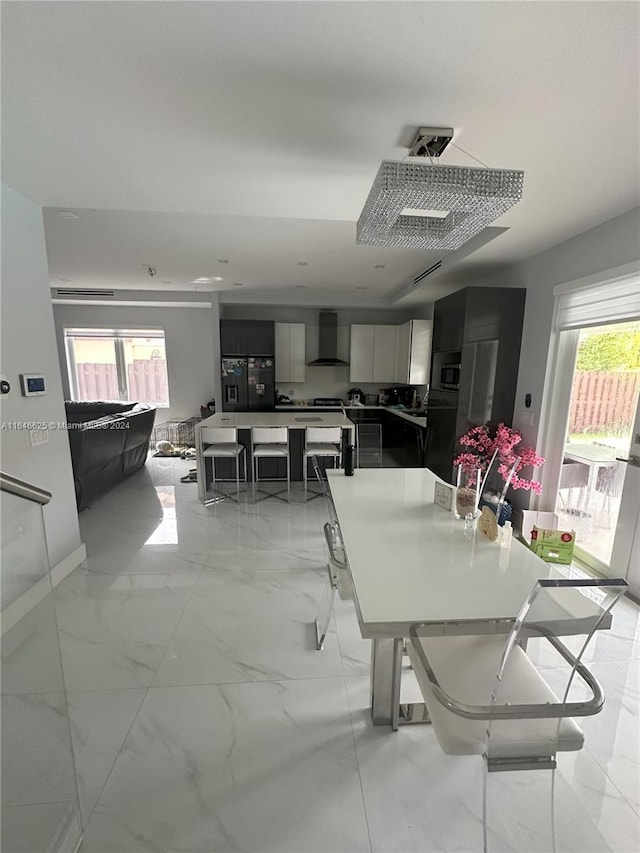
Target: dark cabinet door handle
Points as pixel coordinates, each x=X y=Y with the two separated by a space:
x=620 y=459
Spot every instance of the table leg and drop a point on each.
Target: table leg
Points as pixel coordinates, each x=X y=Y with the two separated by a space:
x=386 y=670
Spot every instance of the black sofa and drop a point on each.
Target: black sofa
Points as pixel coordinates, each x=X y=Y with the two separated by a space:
x=109 y=441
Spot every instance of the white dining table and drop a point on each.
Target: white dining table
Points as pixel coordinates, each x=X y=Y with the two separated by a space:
x=410 y=561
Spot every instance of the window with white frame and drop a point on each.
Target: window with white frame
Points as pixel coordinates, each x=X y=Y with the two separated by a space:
x=117 y=364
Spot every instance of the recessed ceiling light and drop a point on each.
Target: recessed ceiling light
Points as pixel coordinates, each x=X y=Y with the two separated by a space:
x=207 y=279
x=303 y=263
x=223 y=261
x=237 y=284
x=301 y=286
x=379 y=266
x=66 y=214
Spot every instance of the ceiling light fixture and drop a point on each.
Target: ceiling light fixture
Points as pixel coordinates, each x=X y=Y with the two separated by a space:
x=238 y=284
x=223 y=261
x=207 y=279
x=414 y=205
x=380 y=266
x=303 y=263
x=67 y=214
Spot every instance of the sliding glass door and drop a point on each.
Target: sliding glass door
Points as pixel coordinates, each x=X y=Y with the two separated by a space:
x=599 y=487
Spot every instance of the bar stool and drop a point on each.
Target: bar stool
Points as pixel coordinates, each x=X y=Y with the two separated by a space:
x=220 y=442
x=320 y=441
x=270 y=443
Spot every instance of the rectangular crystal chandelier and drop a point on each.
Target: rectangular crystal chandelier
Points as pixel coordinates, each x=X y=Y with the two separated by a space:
x=430 y=206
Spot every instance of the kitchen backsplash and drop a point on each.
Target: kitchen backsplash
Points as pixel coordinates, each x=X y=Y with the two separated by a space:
x=328 y=382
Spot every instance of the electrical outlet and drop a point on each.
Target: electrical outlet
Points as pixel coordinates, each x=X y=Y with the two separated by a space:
x=38 y=436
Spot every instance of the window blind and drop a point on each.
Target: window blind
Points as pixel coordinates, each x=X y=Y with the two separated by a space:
x=114 y=333
x=596 y=305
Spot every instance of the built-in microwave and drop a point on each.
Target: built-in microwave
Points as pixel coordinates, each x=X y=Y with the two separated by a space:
x=450 y=377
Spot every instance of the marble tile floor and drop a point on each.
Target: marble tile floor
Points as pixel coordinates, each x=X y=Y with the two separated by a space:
x=204 y=720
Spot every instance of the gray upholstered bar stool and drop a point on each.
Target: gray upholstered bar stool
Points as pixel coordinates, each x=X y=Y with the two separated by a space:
x=270 y=443
x=221 y=442
x=320 y=442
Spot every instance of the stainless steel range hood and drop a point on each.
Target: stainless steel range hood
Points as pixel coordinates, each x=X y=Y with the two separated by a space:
x=327 y=342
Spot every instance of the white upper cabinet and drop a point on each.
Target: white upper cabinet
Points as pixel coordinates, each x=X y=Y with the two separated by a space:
x=361 y=358
x=391 y=353
x=403 y=353
x=420 y=352
x=290 y=352
x=384 y=353
x=373 y=352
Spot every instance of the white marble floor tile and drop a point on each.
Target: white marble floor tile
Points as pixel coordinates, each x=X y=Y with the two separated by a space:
x=31 y=654
x=30 y=828
x=36 y=750
x=355 y=652
x=417 y=798
x=241 y=626
x=115 y=629
x=153 y=558
x=100 y=721
x=613 y=736
x=247 y=767
x=271 y=541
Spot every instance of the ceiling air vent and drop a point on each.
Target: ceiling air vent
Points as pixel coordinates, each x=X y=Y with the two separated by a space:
x=426 y=273
x=96 y=294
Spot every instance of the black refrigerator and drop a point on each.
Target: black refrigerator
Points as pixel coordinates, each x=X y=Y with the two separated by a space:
x=248 y=383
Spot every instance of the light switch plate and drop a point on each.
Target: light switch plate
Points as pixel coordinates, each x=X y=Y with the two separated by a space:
x=38 y=436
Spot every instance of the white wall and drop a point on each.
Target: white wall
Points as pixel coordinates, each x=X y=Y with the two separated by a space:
x=192 y=343
x=610 y=245
x=29 y=346
x=325 y=381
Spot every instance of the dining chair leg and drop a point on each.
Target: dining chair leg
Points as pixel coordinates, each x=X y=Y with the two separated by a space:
x=255 y=479
x=325 y=611
x=305 y=462
x=238 y=477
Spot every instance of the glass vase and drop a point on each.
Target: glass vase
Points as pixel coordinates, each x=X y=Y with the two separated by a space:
x=467 y=492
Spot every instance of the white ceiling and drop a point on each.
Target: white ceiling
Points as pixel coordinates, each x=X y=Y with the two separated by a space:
x=180 y=133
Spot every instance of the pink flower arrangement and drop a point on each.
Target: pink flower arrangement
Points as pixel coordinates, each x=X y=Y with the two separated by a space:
x=483 y=445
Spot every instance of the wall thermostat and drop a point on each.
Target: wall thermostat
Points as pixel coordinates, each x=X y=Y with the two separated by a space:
x=33 y=384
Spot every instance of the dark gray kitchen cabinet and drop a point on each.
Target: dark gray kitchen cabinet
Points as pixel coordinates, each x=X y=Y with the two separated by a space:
x=247 y=337
x=478 y=331
x=448 y=322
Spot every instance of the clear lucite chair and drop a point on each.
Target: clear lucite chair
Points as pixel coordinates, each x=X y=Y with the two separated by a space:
x=339 y=582
x=514 y=703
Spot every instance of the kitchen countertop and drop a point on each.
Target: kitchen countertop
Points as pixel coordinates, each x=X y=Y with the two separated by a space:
x=298 y=418
x=416 y=420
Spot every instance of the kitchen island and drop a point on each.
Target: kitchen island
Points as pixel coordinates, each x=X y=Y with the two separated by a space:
x=295 y=421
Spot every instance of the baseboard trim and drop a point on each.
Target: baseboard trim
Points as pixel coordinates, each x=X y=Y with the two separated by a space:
x=60 y=571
